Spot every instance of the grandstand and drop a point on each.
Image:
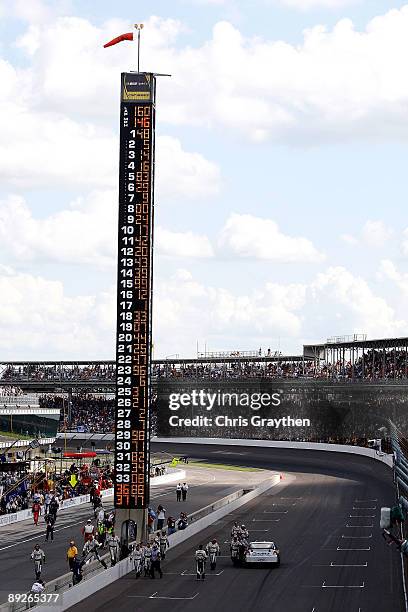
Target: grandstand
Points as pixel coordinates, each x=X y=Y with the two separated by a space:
x=345 y=358
x=355 y=381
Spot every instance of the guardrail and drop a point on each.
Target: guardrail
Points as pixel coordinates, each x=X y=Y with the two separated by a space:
x=400 y=447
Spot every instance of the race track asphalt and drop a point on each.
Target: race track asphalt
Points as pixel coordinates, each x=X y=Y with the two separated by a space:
x=17 y=540
x=324 y=517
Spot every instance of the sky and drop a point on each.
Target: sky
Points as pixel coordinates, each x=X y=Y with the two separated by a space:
x=281 y=191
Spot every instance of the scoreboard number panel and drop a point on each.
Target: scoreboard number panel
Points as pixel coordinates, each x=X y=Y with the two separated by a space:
x=134 y=290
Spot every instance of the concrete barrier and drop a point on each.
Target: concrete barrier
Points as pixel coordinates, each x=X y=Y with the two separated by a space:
x=198 y=522
x=335 y=448
x=171 y=476
x=15 y=517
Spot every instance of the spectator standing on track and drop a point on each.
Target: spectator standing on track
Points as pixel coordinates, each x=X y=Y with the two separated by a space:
x=91 y=551
x=161 y=517
x=53 y=507
x=47 y=500
x=101 y=533
x=101 y=515
x=178 y=492
x=151 y=516
x=114 y=547
x=50 y=522
x=76 y=570
x=182 y=522
x=88 y=530
x=71 y=554
x=184 y=490
x=163 y=544
x=155 y=565
x=171 y=525
x=38 y=587
x=36 y=509
x=38 y=556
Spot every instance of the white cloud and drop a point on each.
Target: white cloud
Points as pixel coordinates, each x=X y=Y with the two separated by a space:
x=389 y=271
x=254 y=237
x=343 y=299
x=311 y=4
x=84 y=233
x=336 y=301
x=51 y=150
x=38 y=320
x=337 y=85
x=349 y=239
x=404 y=245
x=193 y=310
x=46 y=150
x=34 y=11
x=374 y=234
x=182 y=244
x=183 y=173
x=46 y=140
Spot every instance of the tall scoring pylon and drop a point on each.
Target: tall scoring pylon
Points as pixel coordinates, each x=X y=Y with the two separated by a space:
x=134 y=300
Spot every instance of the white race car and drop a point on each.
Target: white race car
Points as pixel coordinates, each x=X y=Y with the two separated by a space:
x=262 y=552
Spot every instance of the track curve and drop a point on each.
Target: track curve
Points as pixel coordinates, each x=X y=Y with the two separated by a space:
x=325 y=518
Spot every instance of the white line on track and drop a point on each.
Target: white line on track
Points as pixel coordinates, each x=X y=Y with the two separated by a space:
x=360 y=526
x=338 y=548
x=155 y=596
x=332 y=564
x=291 y=498
x=276 y=511
x=265 y=520
x=261 y=530
x=363 y=501
x=42 y=535
x=357 y=537
x=342 y=586
x=207 y=573
x=368 y=508
x=361 y=515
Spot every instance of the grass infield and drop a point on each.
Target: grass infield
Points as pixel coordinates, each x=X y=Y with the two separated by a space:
x=221 y=466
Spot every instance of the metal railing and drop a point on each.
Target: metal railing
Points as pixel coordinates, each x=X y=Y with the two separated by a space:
x=347 y=338
x=399 y=445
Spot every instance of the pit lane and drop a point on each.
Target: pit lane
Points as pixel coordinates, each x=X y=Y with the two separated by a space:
x=333 y=558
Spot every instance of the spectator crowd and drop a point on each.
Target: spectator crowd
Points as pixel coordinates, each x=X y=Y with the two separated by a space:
x=20 y=492
x=372 y=365
x=10 y=391
x=376 y=364
x=89 y=413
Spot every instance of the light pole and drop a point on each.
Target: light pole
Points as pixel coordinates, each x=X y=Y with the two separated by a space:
x=139 y=27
